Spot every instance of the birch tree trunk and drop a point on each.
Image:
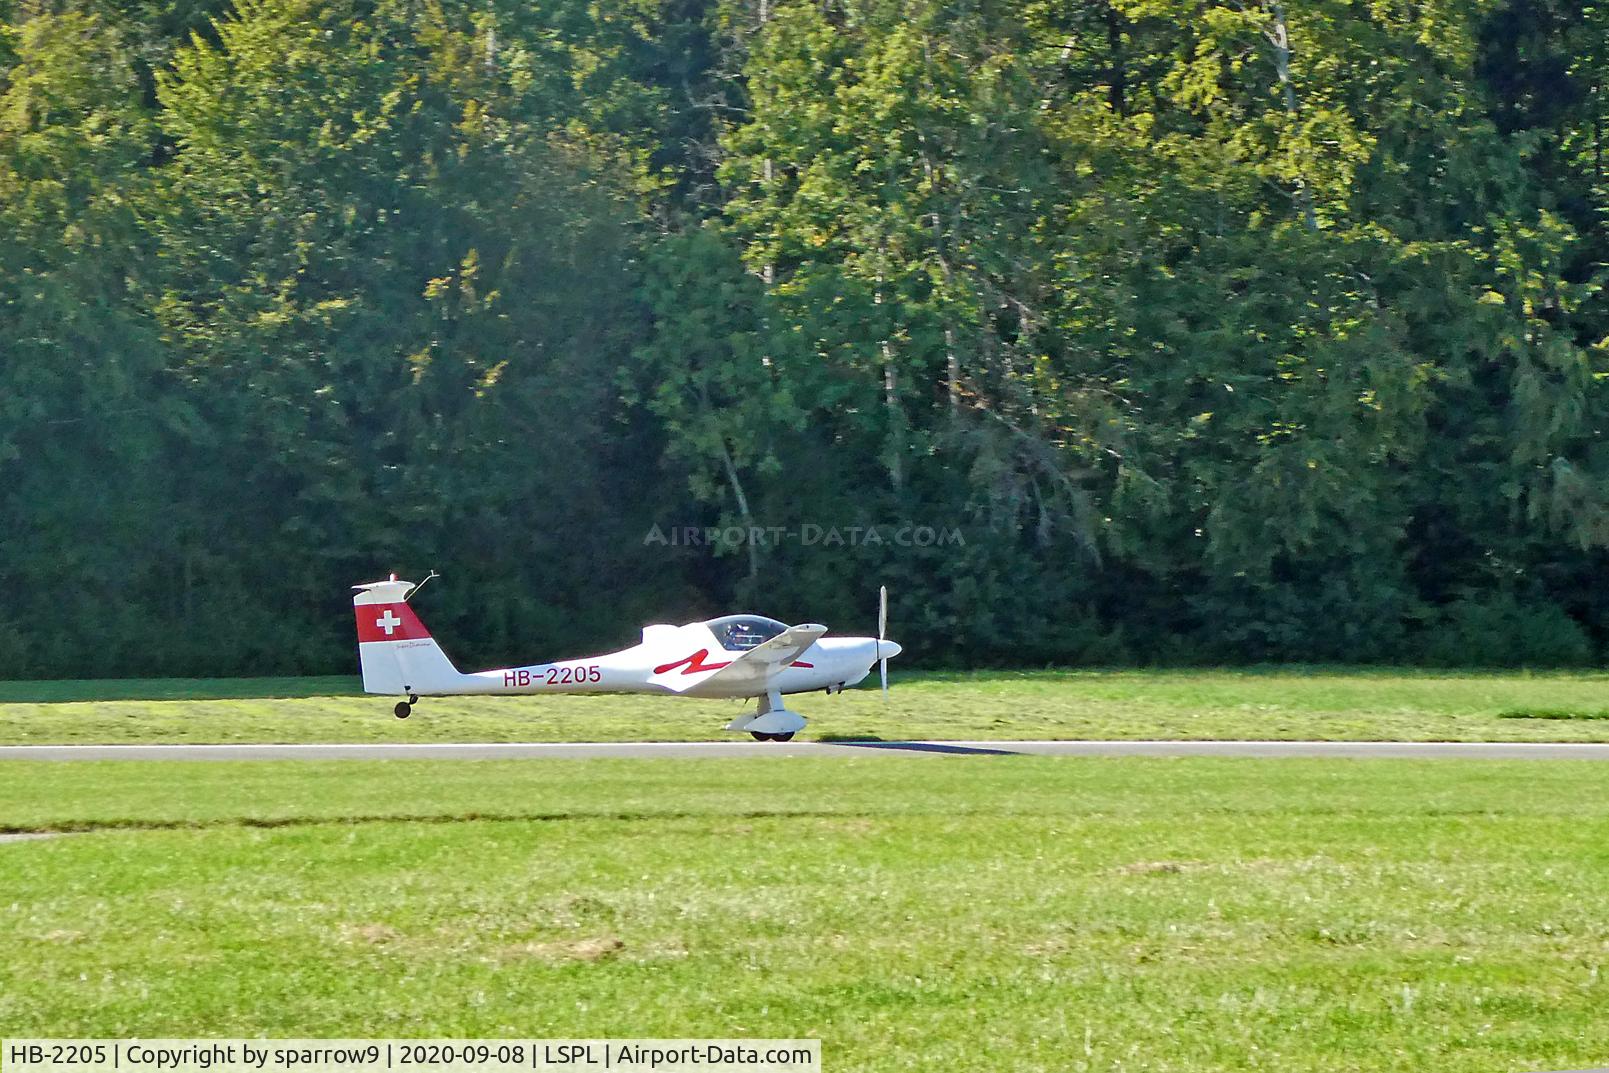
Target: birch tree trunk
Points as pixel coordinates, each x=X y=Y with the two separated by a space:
x=1279 y=36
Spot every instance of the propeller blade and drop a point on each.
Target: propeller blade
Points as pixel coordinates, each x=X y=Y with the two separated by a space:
x=882 y=633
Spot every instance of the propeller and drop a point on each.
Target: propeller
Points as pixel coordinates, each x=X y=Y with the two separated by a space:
x=882 y=631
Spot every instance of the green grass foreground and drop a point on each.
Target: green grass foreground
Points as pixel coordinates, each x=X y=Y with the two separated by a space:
x=915 y=913
x=1290 y=703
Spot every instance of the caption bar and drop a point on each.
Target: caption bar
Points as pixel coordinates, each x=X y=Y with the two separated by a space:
x=404 y=1055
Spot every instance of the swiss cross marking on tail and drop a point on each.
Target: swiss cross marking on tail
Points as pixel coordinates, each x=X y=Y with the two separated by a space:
x=389 y=622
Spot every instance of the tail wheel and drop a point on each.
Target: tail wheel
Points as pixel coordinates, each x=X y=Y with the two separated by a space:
x=402 y=710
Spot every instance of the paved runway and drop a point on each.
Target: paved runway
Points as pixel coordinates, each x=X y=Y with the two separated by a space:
x=1352 y=750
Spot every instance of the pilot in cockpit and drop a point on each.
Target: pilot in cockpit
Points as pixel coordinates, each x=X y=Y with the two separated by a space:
x=744 y=636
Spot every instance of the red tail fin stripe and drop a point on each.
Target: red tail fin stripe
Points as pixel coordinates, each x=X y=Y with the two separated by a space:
x=389 y=622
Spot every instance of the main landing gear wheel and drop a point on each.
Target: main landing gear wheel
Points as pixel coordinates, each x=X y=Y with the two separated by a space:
x=758 y=736
x=402 y=710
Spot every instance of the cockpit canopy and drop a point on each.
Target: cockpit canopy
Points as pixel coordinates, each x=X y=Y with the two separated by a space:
x=739 y=633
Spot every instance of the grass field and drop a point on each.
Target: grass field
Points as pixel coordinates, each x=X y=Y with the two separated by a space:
x=1011 y=913
x=1327 y=703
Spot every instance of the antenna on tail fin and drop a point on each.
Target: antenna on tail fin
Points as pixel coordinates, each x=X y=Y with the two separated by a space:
x=419 y=586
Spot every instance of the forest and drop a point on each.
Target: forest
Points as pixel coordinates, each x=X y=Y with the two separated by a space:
x=1218 y=331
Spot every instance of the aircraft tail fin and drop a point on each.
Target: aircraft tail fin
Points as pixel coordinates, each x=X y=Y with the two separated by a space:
x=396 y=651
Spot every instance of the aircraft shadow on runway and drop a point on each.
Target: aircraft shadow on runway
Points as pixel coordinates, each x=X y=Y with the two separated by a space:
x=916 y=746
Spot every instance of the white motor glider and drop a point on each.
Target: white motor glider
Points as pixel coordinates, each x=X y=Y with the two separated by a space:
x=736 y=656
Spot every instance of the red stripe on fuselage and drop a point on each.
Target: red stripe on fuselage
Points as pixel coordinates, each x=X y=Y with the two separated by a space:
x=695 y=664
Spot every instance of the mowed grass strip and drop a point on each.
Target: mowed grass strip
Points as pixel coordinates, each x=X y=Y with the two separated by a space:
x=915 y=913
x=1285 y=703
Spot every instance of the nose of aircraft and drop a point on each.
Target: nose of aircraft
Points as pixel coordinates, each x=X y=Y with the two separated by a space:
x=888 y=649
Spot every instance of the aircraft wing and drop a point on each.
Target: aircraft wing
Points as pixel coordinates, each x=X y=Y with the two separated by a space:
x=755 y=667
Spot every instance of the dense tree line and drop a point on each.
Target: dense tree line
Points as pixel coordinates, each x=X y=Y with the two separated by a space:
x=1218 y=330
